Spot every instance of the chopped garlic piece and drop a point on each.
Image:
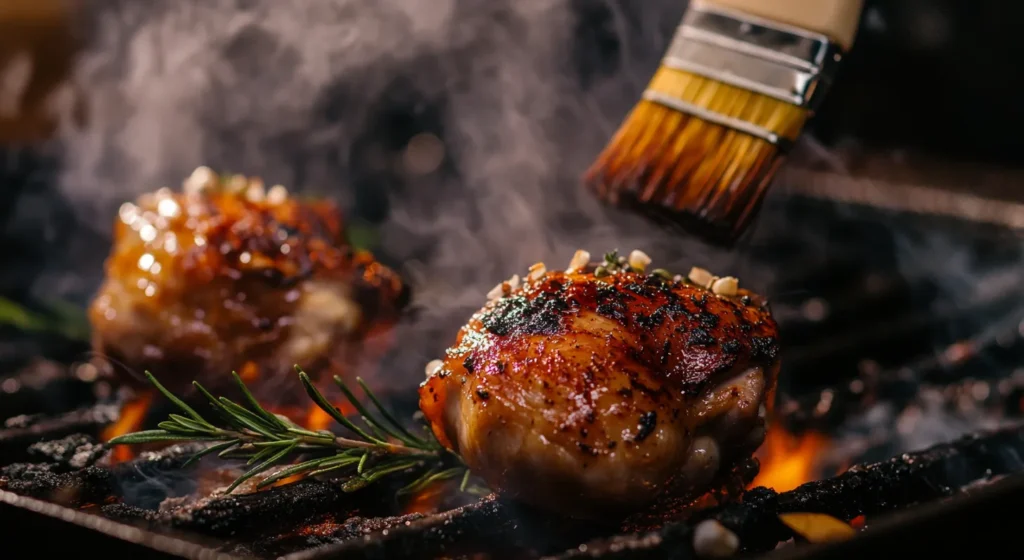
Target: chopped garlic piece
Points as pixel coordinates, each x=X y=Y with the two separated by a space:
x=496 y=292
x=579 y=260
x=711 y=539
x=727 y=286
x=700 y=276
x=255 y=192
x=277 y=194
x=237 y=184
x=434 y=366
x=536 y=271
x=202 y=179
x=639 y=260
x=325 y=308
x=503 y=288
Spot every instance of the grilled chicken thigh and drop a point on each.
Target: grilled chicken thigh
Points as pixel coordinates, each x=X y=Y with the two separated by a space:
x=227 y=275
x=598 y=390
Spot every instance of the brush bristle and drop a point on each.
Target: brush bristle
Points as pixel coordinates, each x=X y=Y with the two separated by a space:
x=703 y=176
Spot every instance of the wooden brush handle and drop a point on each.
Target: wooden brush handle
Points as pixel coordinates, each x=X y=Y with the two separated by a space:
x=837 y=19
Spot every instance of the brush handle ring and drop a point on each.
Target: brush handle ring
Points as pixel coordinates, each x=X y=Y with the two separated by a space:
x=788 y=63
x=837 y=19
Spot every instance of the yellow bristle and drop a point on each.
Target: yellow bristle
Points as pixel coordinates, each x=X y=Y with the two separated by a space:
x=690 y=170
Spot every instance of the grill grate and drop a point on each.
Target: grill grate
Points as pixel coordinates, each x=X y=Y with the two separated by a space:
x=943 y=471
x=939 y=472
x=845 y=307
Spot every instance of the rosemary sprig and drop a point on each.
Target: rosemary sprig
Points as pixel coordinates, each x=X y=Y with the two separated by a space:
x=378 y=448
x=57 y=317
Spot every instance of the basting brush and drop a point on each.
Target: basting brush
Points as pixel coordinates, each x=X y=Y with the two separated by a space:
x=733 y=92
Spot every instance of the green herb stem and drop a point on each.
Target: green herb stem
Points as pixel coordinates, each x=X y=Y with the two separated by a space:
x=381 y=448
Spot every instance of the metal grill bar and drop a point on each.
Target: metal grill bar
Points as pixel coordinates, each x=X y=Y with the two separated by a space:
x=980 y=524
x=59 y=532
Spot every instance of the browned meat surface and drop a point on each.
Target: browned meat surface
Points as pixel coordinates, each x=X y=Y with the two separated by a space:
x=228 y=275
x=595 y=392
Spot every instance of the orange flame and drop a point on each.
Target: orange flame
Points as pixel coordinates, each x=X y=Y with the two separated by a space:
x=317 y=419
x=427 y=500
x=286 y=480
x=312 y=417
x=250 y=372
x=788 y=460
x=133 y=413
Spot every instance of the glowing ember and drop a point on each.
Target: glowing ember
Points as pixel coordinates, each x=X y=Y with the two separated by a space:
x=322 y=529
x=133 y=413
x=250 y=372
x=317 y=419
x=787 y=461
x=287 y=480
x=427 y=500
x=312 y=417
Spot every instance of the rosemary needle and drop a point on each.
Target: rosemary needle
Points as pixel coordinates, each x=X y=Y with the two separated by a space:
x=264 y=440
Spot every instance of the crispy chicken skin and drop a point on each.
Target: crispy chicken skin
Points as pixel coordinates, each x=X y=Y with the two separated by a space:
x=228 y=276
x=594 y=395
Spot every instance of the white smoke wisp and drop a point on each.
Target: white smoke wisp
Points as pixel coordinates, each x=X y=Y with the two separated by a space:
x=241 y=86
x=286 y=90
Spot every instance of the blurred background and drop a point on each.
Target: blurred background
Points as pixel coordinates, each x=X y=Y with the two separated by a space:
x=454 y=133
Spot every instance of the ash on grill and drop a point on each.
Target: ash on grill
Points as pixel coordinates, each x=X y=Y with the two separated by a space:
x=58 y=457
x=313 y=513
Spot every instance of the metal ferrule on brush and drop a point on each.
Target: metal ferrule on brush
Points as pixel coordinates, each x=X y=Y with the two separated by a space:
x=786 y=63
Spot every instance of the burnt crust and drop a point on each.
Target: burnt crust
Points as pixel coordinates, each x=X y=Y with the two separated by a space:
x=672 y=338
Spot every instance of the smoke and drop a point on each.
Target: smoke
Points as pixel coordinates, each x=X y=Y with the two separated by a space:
x=522 y=93
x=148 y=487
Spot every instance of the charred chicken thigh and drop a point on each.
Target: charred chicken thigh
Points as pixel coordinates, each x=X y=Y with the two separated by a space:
x=597 y=390
x=227 y=275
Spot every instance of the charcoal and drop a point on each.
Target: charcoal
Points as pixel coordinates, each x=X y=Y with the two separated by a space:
x=127 y=512
x=326 y=533
x=72 y=452
x=171 y=457
x=524 y=533
x=280 y=508
x=23 y=471
x=93 y=484
x=20 y=432
x=361 y=526
x=78 y=488
x=937 y=472
x=912 y=478
x=429 y=537
x=674 y=542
